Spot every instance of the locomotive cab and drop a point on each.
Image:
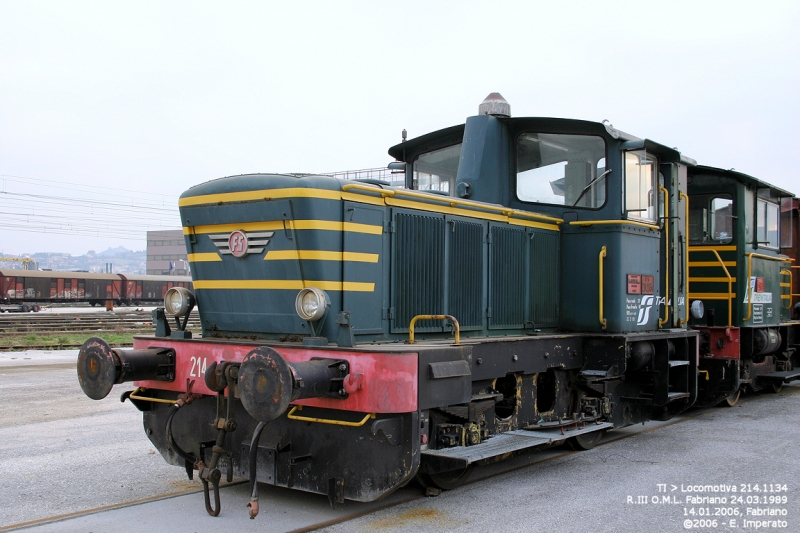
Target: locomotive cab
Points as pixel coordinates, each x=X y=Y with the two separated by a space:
x=620 y=201
x=618 y=262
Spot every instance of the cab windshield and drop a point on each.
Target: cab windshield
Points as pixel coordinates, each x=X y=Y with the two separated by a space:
x=561 y=169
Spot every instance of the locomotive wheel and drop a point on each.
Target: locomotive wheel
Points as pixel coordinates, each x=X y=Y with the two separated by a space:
x=775 y=386
x=446 y=480
x=586 y=441
x=731 y=400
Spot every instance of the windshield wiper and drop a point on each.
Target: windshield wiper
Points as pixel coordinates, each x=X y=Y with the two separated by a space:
x=598 y=178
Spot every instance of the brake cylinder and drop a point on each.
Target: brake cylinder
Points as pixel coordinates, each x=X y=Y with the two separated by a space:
x=766 y=341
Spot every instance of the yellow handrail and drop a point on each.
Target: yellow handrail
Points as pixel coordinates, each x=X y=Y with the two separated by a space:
x=135 y=396
x=727 y=274
x=682 y=321
x=791 y=294
x=791 y=282
x=291 y=416
x=602 y=222
x=661 y=188
x=750 y=256
x=601 y=260
x=449 y=200
x=434 y=317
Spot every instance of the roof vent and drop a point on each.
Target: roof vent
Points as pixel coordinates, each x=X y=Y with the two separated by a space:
x=495 y=105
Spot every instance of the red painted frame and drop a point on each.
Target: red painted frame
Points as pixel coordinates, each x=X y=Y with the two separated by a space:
x=388 y=382
x=731 y=346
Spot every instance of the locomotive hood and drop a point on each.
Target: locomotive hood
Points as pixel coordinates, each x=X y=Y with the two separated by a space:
x=256 y=240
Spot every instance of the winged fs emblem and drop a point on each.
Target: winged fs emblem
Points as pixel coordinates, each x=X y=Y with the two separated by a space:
x=240 y=243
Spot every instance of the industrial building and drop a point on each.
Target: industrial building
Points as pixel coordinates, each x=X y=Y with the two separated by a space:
x=166 y=253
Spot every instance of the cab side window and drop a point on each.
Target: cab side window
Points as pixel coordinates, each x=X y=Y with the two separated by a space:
x=641 y=194
x=437 y=170
x=711 y=219
x=767 y=223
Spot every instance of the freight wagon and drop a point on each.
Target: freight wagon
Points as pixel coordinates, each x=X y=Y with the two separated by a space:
x=24 y=290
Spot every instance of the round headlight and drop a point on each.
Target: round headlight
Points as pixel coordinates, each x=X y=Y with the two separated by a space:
x=311 y=304
x=178 y=301
x=698 y=310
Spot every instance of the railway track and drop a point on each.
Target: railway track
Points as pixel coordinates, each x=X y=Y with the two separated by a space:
x=352 y=510
x=312 y=513
x=30 y=327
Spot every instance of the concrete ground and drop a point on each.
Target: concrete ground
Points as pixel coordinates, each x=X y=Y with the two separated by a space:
x=63 y=453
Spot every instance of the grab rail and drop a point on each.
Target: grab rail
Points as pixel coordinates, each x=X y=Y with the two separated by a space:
x=434 y=317
x=661 y=322
x=600 y=266
x=750 y=256
x=585 y=223
x=789 y=285
x=729 y=296
x=682 y=321
x=135 y=396
x=291 y=416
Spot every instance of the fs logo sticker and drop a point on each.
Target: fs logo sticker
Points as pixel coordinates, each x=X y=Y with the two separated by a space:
x=645 y=305
x=240 y=243
x=237 y=243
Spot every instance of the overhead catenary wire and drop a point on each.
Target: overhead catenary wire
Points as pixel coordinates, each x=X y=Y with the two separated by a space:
x=36 y=205
x=146 y=196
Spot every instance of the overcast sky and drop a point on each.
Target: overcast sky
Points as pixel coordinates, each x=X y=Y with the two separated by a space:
x=125 y=105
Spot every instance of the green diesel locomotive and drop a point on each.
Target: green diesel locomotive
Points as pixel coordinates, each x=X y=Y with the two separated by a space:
x=529 y=282
x=738 y=227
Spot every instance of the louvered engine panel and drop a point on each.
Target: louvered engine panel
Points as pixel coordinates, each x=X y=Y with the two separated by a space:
x=465 y=272
x=544 y=280
x=418 y=287
x=508 y=253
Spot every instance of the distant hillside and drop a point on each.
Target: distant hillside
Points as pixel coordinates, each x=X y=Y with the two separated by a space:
x=120 y=260
x=119 y=251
